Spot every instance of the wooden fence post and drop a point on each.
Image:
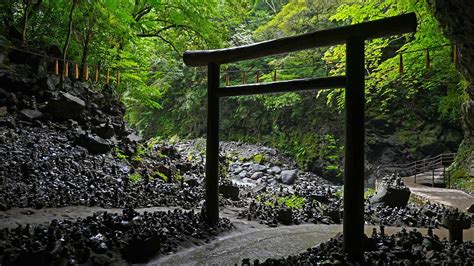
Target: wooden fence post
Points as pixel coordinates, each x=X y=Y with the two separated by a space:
x=107 y=77
x=86 y=72
x=76 y=73
x=118 y=78
x=432 y=175
x=66 y=70
x=257 y=79
x=353 y=222
x=415 y=173
x=56 y=67
x=96 y=73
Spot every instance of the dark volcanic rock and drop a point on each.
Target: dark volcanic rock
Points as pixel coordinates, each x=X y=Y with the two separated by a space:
x=105 y=131
x=106 y=239
x=30 y=113
x=229 y=191
x=288 y=176
x=402 y=248
x=41 y=167
x=285 y=216
x=66 y=106
x=392 y=193
x=94 y=144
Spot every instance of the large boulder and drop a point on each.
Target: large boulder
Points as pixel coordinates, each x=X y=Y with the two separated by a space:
x=289 y=176
x=31 y=113
x=229 y=191
x=66 y=106
x=93 y=143
x=285 y=216
x=392 y=193
x=104 y=130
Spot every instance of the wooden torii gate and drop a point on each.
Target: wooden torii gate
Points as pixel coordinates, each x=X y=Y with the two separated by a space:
x=354 y=37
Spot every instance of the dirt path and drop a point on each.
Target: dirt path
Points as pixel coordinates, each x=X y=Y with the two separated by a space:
x=450 y=197
x=16 y=216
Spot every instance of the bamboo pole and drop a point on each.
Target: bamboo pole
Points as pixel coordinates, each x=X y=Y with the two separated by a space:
x=86 y=72
x=56 y=67
x=118 y=78
x=76 y=74
x=227 y=79
x=107 y=77
x=66 y=69
x=275 y=75
x=96 y=73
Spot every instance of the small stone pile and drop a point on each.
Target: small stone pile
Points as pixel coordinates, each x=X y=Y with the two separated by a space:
x=106 y=239
x=320 y=205
x=324 y=204
x=251 y=165
x=402 y=248
x=392 y=192
x=251 y=173
x=428 y=215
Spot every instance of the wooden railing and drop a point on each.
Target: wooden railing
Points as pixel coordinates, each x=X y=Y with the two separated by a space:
x=422 y=169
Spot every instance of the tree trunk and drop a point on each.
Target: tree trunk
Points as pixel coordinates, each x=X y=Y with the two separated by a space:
x=68 y=38
x=25 y=21
x=85 y=53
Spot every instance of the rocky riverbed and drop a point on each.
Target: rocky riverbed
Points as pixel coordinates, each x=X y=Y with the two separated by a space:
x=105 y=239
x=403 y=248
x=70 y=146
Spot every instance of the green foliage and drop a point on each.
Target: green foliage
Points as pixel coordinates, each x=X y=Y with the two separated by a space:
x=369 y=192
x=258 y=158
x=385 y=86
x=135 y=177
x=177 y=177
x=145 y=39
x=160 y=175
x=120 y=154
x=293 y=201
x=339 y=193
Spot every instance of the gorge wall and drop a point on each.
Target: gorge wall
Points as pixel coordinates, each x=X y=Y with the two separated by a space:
x=455 y=17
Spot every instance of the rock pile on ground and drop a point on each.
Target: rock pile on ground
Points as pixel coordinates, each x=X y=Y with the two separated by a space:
x=403 y=248
x=392 y=192
x=41 y=167
x=106 y=239
x=95 y=116
x=306 y=202
x=324 y=204
x=251 y=164
x=428 y=215
x=69 y=145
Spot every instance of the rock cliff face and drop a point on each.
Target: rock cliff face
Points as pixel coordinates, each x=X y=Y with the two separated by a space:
x=455 y=16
